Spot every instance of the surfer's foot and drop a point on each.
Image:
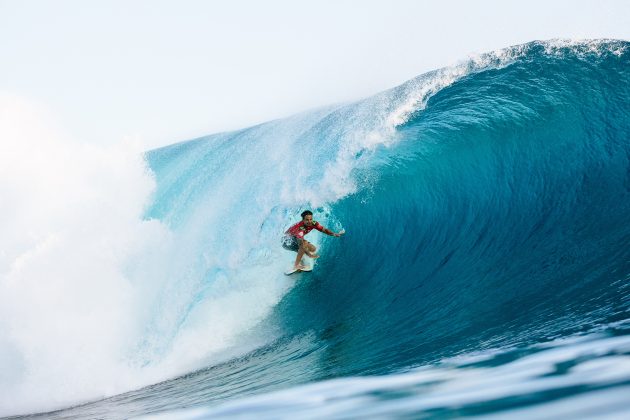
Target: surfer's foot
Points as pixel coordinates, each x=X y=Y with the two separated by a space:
x=299 y=267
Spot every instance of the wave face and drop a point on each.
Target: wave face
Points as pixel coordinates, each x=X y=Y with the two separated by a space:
x=486 y=206
x=498 y=217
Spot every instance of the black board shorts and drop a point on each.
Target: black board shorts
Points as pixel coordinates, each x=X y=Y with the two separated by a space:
x=290 y=242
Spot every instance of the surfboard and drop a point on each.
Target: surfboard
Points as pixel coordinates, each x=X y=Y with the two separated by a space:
x=293 y=270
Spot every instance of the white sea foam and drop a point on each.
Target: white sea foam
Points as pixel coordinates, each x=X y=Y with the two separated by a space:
x=585 y=47
x=94 y=299
x=70 y=216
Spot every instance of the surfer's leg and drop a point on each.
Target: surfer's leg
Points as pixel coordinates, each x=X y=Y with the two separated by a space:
x=300 y=253
x=309 y=249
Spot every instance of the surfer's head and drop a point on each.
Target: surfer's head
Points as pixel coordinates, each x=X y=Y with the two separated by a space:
x=307 y=216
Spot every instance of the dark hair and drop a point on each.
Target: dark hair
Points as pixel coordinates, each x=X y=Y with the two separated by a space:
x=306 y=213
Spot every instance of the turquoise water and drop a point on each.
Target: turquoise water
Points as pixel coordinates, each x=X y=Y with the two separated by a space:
x=485 y=269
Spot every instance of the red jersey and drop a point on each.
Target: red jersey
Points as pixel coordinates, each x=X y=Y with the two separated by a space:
x=300 y=229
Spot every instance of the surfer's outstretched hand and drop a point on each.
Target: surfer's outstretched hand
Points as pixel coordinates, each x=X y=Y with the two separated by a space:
x=341 y=232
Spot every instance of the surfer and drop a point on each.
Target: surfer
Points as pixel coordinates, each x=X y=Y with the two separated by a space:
x=294 y=238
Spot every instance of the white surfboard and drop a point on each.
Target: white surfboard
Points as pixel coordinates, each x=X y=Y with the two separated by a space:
x=297 y=270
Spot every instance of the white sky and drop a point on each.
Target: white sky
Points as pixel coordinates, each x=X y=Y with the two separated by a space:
x=166 y=71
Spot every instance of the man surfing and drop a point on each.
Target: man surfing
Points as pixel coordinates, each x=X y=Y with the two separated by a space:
x=293 y=239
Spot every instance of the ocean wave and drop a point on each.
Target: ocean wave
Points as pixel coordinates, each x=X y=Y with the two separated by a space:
x=485 y=206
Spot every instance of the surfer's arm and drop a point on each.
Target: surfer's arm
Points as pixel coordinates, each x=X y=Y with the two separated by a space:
x=331 y=233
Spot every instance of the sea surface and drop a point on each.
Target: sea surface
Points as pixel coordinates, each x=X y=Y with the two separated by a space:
x=485 y=269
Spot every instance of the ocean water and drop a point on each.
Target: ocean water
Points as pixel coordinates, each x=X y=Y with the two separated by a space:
x=485 y=270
